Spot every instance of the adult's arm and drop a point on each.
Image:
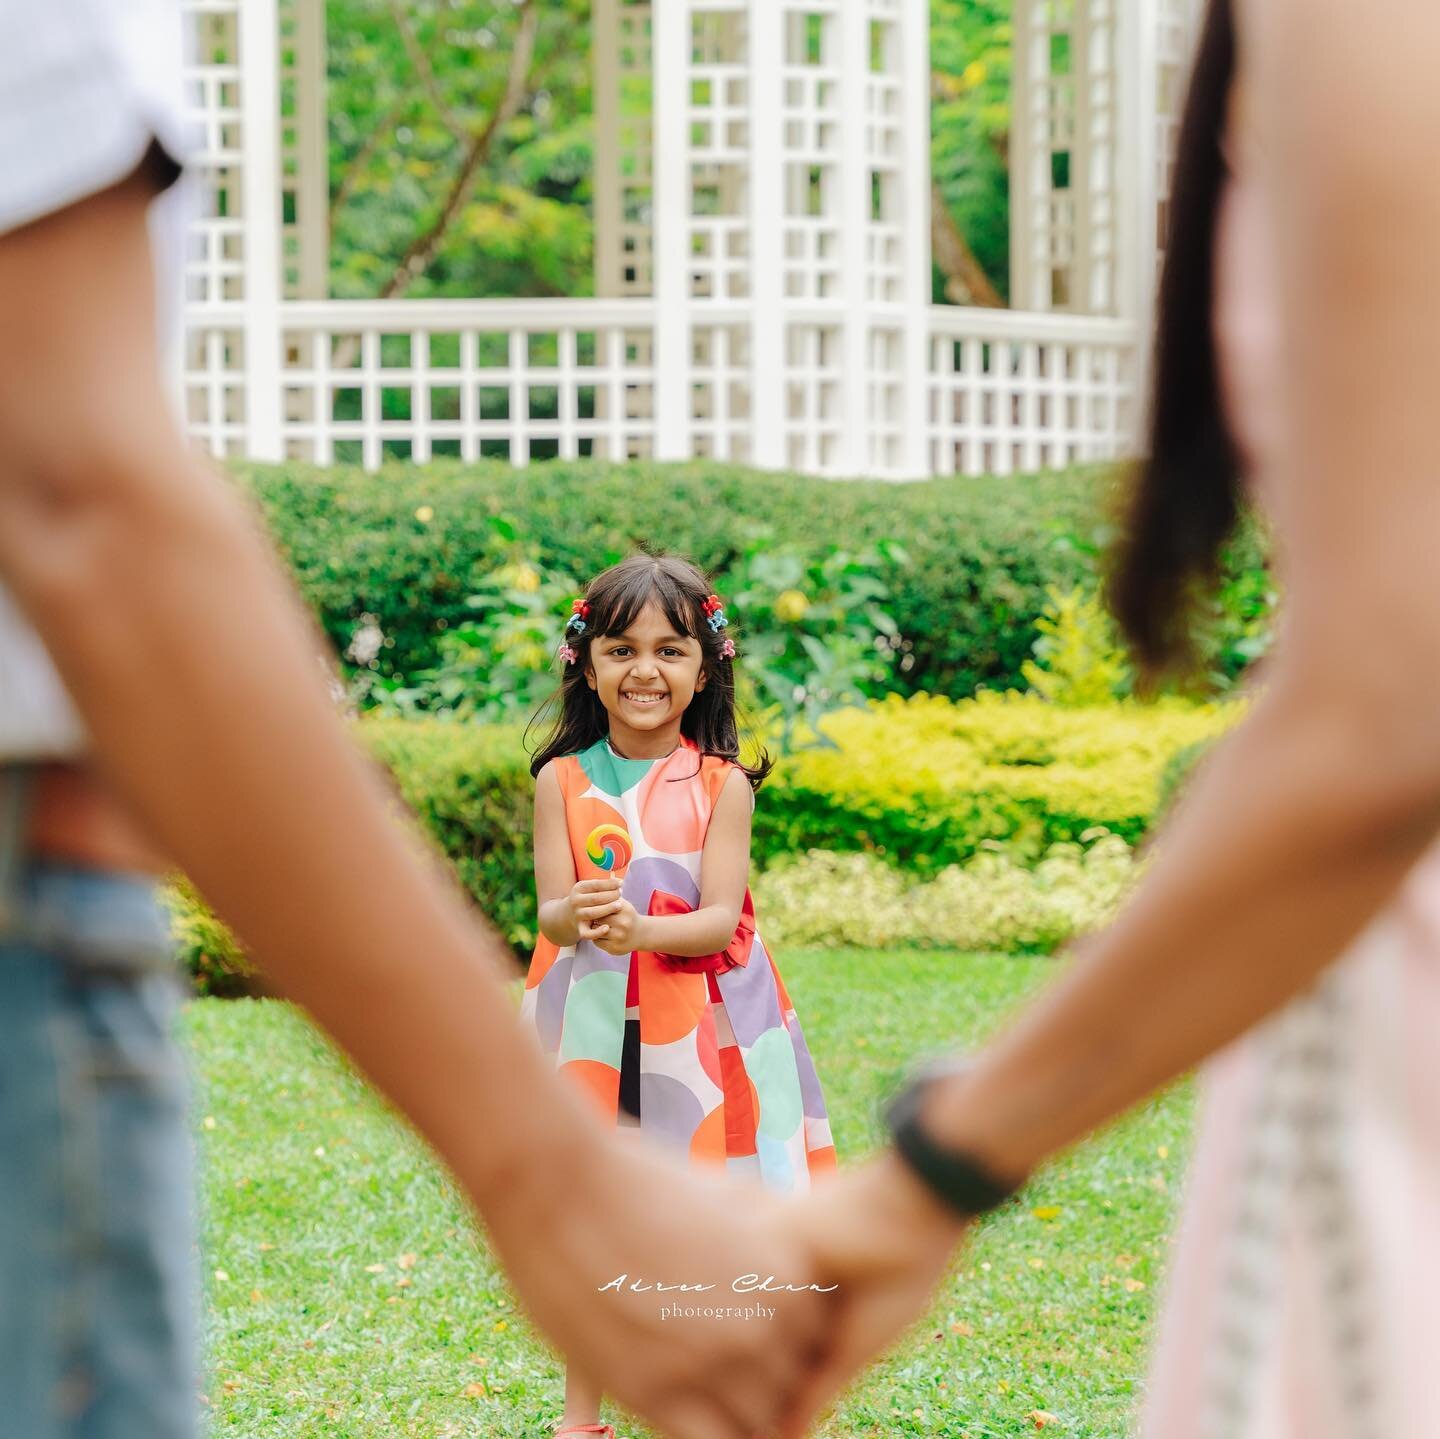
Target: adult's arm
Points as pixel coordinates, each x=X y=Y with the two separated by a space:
x=195 y=670
x=1301 y=827
x=199 y=678
x=1304 y=824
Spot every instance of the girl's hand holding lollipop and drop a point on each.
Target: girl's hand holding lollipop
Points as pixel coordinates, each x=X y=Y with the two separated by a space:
x=592 y=902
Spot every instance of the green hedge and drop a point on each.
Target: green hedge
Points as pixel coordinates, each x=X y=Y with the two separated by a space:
x=922 y=783
x=980 y=551
x=990 y=904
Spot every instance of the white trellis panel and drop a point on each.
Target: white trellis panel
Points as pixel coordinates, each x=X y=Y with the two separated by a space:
x=1013 y=393
x=1066 y=144
x=366 y=381
x=762 y=252
x=624 y=142
x=1176 y=31
x=232 y=273
x=215 y=375
x=304 y=150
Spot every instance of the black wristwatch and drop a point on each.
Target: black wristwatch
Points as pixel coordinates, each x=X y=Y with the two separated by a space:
x=953 y=1176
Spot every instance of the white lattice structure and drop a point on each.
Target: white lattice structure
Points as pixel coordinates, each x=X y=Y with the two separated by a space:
x=762 y=252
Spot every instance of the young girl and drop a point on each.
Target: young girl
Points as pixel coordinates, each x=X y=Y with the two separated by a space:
x=650 y=984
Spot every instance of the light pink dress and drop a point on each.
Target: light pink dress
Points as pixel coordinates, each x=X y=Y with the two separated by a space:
x=1303 y=1297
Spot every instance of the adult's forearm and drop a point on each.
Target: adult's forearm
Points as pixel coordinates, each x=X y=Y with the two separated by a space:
x=1276 y=860
x=202 y=684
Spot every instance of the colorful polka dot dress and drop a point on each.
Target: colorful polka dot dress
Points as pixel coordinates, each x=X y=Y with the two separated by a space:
x=705 y=1054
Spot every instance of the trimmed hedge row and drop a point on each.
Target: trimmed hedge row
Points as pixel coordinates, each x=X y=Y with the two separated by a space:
x=922 y=783
x=407 y=544
x=992 y=904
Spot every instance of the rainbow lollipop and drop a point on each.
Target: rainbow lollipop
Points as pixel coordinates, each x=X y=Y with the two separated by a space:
x=609 y=848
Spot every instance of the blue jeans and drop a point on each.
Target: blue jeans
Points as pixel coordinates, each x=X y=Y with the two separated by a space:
x=97 y=1259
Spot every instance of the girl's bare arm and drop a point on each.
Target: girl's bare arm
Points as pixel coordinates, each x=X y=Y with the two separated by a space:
x=554 y=863
x=724 y=873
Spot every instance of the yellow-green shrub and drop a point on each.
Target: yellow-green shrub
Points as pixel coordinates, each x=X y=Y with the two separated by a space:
x=926 y=782
x=993 y=903
x=919 y=784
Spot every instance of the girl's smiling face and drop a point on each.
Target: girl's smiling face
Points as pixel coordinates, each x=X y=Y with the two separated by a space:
x=646 y=677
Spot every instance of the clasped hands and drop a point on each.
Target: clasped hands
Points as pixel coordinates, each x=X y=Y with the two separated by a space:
x=871 y=1240
x=605 y=919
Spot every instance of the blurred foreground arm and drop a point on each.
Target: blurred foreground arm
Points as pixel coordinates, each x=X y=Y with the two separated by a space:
x=1303 y=825
x=197 y=674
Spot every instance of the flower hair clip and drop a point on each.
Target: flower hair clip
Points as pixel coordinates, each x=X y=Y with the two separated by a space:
x=715 y=613
x=727 y=650
x=576 y=625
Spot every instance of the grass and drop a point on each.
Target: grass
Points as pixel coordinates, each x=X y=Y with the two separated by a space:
x=347 y=1293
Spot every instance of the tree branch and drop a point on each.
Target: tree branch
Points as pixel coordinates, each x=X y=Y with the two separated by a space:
x=421 y=61
x=423 y=247
x=966 y=282
x=373 y=141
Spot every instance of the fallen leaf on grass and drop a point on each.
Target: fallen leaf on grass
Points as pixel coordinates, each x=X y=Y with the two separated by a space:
x=1047 y=1211
x=474 y=1390
x=961 y=1328
x=1040 y=1418
x=1134 y=1286
x=406 y=1261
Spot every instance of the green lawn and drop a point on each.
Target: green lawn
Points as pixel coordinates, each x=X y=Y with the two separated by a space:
x=347 y=1294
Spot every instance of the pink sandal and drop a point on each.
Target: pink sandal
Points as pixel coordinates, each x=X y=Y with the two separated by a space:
x=599 y=1431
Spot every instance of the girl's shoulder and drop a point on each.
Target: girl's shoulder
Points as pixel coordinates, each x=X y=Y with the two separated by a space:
x=715 y=772
x=564 y=770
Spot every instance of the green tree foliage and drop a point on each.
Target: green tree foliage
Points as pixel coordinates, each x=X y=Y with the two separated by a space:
x=970 y=44
x=413 y=82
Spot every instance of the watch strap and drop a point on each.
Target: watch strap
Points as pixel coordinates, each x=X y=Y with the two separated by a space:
x=957 y=1178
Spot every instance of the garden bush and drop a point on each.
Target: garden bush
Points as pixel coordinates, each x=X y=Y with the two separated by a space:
x=922 y=784
x=925 y=783
x=970 y=577
x=990 y=904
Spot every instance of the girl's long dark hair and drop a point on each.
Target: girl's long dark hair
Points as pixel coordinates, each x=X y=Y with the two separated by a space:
x=1185 y=499
x=615 y=598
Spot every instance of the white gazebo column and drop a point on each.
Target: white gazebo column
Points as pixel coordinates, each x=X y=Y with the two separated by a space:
x=770 y=385
x=1042 y=121
x=670 y=50
x=304 y=151
x=1157 y=39
x=624 y=198
x=913 y=458
x=1065 y=154
x=260 y=210
x=885 y=158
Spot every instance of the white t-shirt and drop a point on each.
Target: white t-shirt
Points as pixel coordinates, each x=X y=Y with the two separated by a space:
x=86 y=88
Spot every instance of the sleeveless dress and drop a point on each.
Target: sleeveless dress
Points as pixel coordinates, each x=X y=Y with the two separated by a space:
x=704 y=1055
x=1303 y=1297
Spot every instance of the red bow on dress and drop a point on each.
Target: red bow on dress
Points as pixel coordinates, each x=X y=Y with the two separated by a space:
x=733 y=956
